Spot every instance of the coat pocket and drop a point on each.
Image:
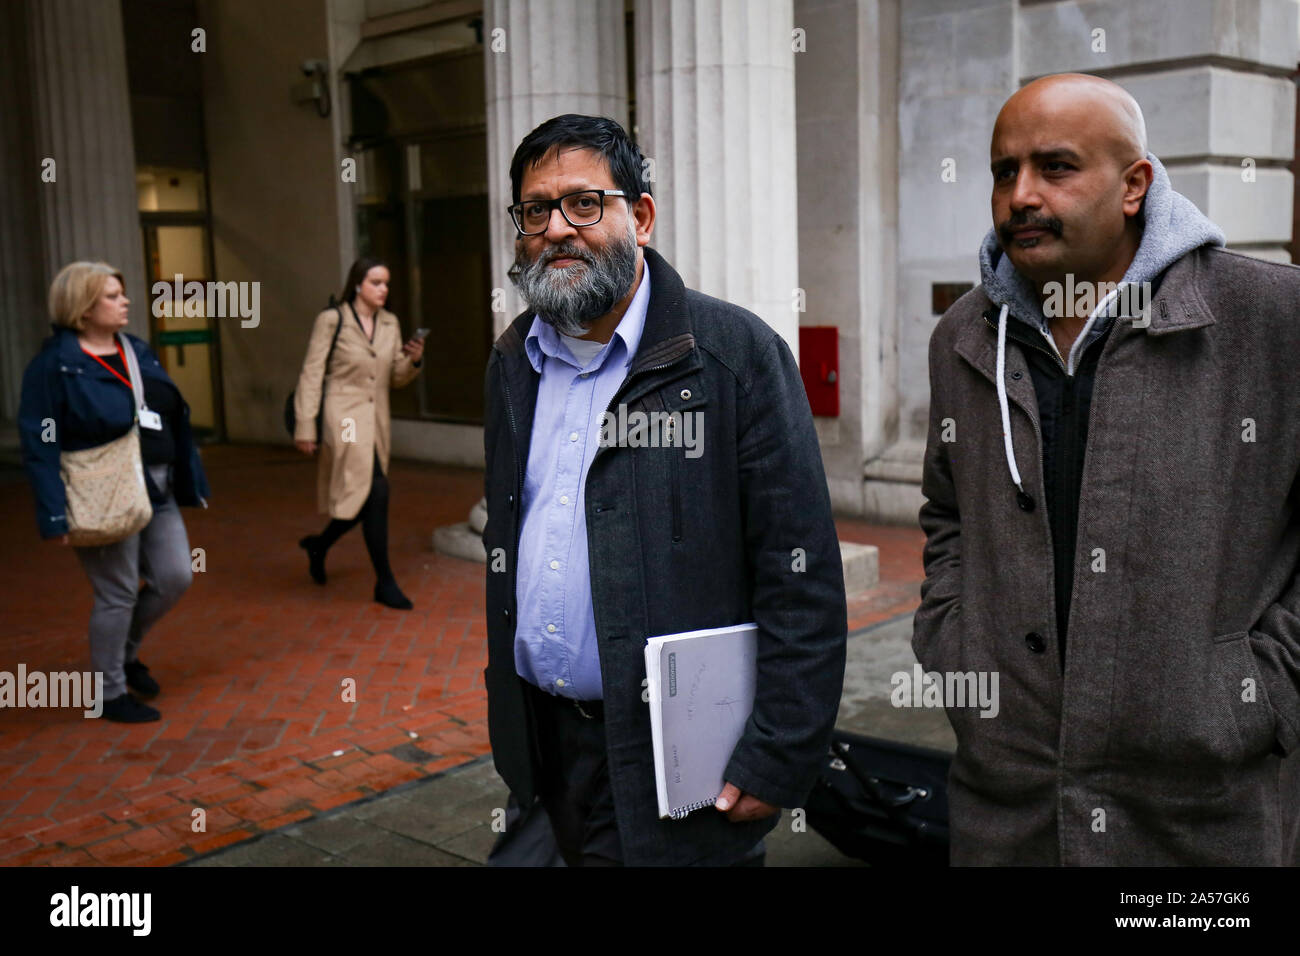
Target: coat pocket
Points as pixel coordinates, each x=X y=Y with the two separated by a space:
x=682 y=405
x=1239 y=680
x=934 y=644
x=949 y=661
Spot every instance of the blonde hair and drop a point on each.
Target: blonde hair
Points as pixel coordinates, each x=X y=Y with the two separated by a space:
x=76 y=288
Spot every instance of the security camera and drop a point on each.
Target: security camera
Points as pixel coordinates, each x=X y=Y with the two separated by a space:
x=314 y=89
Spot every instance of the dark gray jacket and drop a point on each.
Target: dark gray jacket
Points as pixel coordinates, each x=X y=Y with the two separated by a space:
x=1168 y=735
x=680 y=543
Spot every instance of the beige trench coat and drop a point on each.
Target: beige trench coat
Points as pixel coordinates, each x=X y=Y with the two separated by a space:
x=355 y=426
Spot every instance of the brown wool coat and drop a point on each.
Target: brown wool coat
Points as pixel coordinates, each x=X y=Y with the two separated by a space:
x=356 y=424
x=1146 y=749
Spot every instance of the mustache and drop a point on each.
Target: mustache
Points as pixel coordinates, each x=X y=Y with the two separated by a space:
x=562 y=251
x=1027 y=221
x=545 y=258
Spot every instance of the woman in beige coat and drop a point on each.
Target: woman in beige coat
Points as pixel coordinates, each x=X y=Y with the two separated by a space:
x=368 y=359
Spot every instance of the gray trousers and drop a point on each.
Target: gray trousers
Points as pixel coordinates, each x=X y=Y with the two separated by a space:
x=124 y=611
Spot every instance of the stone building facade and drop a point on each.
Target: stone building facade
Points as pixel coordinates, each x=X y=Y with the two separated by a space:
x=821 y=162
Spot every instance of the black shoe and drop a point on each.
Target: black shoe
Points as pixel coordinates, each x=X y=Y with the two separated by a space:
x=387 y=592
x=138 y=679
x=315 y=558
x=125 y=709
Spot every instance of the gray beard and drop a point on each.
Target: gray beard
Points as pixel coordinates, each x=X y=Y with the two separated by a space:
x=572 y=298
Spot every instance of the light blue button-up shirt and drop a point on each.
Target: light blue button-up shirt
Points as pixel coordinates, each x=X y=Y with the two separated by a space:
x=555 y=637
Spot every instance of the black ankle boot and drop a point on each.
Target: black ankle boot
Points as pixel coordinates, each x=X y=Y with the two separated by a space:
x=388 y=593
x=315 y=557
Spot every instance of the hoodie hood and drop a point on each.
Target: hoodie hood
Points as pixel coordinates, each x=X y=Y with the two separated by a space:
x=1172 y=226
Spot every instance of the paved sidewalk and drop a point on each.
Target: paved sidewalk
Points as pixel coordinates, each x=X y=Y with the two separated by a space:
x=255 y=731
x=447 y=820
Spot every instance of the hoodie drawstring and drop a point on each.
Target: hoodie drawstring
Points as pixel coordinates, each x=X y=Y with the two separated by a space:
x=1002 y=404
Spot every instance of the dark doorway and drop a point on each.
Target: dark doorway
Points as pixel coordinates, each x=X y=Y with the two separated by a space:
x=420 y=140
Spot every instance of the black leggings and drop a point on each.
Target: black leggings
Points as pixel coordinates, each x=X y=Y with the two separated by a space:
x=373 y=518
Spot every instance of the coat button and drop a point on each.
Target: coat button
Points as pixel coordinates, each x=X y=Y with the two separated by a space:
x=506 y=612
x=1034 y=641
x=686 y=394
x=1016 y=375
x=1025 y=501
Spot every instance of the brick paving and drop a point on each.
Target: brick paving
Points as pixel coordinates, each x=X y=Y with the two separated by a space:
x=252 y=662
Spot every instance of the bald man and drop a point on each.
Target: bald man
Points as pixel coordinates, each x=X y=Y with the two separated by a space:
x=1112 y=475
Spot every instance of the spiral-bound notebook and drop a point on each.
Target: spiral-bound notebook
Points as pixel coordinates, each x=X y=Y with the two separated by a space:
x=701 y=686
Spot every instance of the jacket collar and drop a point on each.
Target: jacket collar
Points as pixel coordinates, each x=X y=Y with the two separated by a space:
x=1177 y=307
x=349 y=314
x=69 y=347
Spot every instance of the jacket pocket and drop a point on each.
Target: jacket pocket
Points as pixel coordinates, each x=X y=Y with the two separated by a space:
x=1239 y=679
x=928 y=643
x=677 y=400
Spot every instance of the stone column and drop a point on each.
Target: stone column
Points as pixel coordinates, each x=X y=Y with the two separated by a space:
x=22 y=303
x=65 y=99
x=543 y=58
x=82 y=113
x=715 y=111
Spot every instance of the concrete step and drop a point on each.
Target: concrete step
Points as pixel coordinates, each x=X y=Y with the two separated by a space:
x=861 y=567
x=460 y=541
x=478 y=516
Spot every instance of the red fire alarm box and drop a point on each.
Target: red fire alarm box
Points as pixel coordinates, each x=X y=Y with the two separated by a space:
x=819 y=364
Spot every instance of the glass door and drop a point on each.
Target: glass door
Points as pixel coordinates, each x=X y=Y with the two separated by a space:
x=177 y=243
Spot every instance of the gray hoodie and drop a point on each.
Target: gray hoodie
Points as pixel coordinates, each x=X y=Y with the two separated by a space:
x=1172 y=226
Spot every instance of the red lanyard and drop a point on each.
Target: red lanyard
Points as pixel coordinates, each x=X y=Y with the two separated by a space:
x=121 y=354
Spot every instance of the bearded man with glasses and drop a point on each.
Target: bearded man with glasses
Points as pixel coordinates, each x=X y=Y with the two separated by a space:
x=595 y=544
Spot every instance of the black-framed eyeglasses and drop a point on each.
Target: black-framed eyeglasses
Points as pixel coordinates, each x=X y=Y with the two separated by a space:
x=582 y=208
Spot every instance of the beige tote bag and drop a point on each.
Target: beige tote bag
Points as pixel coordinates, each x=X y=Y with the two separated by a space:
x=108 y=500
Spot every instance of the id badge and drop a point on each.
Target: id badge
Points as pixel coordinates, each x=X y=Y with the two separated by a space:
x=150 y=419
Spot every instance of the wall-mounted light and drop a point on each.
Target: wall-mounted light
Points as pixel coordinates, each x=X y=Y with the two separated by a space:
x=315 y=88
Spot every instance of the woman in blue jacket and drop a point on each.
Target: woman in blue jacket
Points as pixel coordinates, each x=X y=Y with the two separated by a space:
x=77 y=394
